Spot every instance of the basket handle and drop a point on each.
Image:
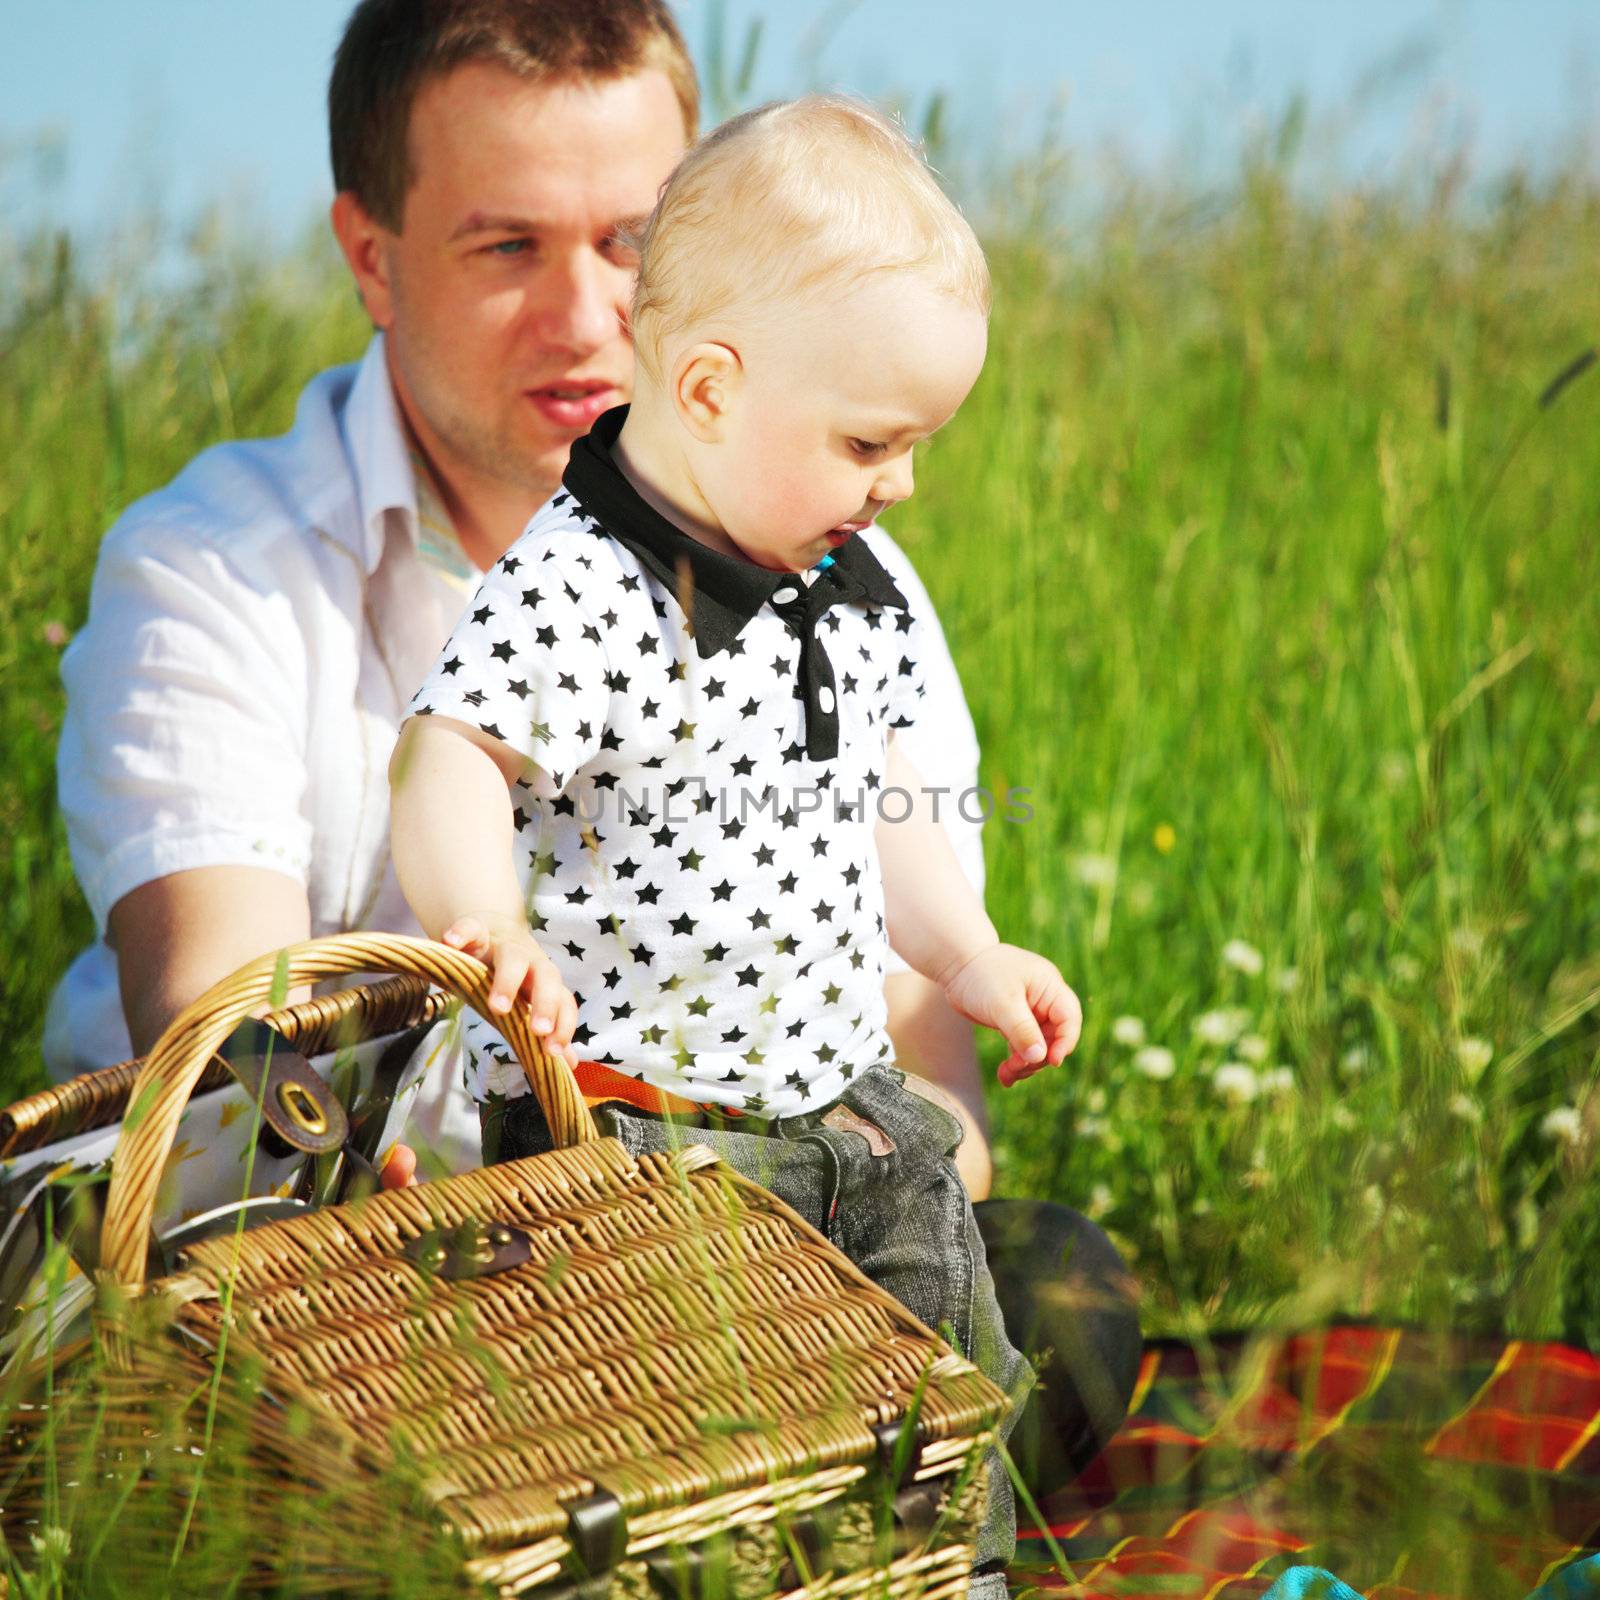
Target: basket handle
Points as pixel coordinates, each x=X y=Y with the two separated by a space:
x=172 y=1068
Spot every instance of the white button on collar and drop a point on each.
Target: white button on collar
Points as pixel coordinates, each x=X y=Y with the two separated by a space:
x=825 y=698
x=783 y=596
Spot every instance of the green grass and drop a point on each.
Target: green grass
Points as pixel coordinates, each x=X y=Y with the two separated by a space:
x=1267 y=549
x=1271 y=569
x=1261 y=541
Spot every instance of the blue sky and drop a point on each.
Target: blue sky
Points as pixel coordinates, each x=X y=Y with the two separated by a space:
x=109 y=107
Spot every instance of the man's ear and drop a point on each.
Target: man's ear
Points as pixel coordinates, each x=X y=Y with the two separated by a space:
x=705 y=386
x=363 y=242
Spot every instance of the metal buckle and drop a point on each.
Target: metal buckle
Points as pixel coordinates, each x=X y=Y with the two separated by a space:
x=299 y=1110
x=473 y=1250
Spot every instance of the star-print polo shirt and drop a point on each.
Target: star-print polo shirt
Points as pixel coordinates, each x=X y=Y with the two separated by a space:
x=694 y=832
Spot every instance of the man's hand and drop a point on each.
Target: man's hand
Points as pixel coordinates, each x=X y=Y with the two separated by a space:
x=520 y=970
x=1023 y=997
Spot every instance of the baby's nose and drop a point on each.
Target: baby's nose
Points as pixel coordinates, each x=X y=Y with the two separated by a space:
x=895 y=480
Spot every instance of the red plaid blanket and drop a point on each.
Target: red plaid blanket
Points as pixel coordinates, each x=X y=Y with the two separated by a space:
x=1415 y=1465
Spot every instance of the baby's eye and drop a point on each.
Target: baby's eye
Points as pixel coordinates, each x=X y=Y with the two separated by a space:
x=867 y=448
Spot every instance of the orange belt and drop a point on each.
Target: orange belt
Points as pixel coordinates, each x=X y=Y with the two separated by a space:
x=598 y=1083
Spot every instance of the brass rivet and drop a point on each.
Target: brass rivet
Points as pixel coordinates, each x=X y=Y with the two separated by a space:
x=302 y=1110
x=500 y=1236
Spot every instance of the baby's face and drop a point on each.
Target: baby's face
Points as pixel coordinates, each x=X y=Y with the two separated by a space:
x=819 y=439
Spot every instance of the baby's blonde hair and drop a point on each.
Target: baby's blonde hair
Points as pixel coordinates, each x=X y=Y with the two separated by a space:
x=787 y=199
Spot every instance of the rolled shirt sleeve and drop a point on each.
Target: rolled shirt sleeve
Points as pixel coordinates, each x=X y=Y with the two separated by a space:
x=184 y=739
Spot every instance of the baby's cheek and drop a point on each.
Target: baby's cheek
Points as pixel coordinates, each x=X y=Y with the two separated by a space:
x=788 y=500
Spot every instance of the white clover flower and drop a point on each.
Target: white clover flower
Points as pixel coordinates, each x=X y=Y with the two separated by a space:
x=1095 y=871
x=1128 y=1031
x=1586 y=824
x=1563 y=1125
x=1155 y=1061
x=1466 y=940
x=1474 y=1056
x=1465 y=1109
x=51 y=1543
x=1277 y=1080
x=1091 y=1127
x=1243 y=958
x=1095 y=1100
x=1372 y=1200
x=1221 y=1027
x=1355 y=1061
x=1287 y=981
x=1405 y=969
x=1236 y=1083
x=1252 y=1048
x=1101 y=1200
x=1343 y=1118
x=1394 y=768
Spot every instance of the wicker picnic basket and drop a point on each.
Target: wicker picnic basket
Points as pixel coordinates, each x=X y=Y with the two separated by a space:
x=621 y=1376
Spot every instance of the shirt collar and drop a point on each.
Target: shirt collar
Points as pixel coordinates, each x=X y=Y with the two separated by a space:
x=726 y=592
x=379 y=456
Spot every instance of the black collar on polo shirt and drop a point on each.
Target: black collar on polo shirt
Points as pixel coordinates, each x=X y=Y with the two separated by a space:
x=728 y=592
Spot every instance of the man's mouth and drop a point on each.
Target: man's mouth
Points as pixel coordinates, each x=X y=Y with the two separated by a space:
x=573 y=406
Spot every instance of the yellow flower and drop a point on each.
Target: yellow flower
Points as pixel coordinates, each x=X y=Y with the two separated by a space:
x=1165 y=837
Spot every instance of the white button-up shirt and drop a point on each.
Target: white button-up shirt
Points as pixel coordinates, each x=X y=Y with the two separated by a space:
x=256 y=630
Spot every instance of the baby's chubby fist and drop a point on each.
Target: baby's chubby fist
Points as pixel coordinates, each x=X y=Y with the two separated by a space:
x=519 y=969
x=1023 y=997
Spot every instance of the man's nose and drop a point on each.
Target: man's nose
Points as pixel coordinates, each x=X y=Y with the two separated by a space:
x=895 y=480
x=582 y=304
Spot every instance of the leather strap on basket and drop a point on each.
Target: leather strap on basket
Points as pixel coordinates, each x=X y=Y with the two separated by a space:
x=180 y=1055
x=298 y=1110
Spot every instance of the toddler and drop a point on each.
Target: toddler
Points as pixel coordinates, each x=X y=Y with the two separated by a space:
x=653 y=779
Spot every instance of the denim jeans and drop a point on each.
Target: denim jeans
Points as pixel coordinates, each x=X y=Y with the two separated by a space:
x=904 y=1218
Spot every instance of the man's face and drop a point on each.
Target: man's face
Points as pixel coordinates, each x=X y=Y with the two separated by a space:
x=507 y=286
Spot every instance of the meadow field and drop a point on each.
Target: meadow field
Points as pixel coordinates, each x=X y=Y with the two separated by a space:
x=1267 y=547
x=1269 y=550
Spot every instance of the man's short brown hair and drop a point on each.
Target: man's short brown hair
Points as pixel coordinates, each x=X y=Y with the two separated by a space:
x=391 y=48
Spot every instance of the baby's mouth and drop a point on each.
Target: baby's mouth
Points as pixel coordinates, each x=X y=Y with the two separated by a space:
x=846 y=530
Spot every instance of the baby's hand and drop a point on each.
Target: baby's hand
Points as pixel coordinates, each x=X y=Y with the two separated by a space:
x=1022 y=996
x=519 y=968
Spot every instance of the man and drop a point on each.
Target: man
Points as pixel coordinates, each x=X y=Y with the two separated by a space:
x=257 y=628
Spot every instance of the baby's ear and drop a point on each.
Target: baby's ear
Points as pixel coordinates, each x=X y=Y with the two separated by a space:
x=706 y=379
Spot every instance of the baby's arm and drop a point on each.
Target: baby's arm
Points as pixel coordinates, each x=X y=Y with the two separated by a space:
x=451 y=834
x=938 y=926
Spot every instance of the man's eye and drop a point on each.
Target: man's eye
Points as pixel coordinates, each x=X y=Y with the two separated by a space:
x=867 y=448
x=510 y=247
